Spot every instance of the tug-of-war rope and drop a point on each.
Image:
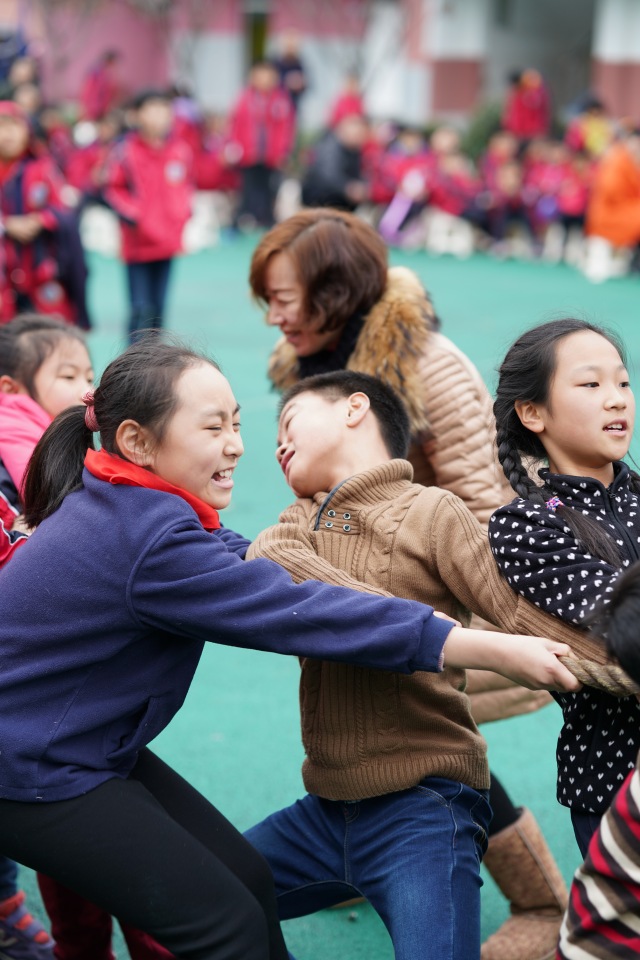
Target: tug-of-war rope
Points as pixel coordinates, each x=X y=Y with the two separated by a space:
x=608 y=677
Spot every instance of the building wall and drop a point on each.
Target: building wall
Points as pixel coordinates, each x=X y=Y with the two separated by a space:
x=71 y=42
x=204 y=43
x=208 y=50
x=378 y=47
x=454 y=45
x=420 y=59
x=616 y=56
x=554 y=37
x=213 y=65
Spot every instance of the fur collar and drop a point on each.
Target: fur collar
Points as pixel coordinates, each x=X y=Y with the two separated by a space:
x=393 y=340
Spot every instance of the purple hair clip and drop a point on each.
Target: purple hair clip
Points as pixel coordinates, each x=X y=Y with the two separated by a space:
x=554 y=503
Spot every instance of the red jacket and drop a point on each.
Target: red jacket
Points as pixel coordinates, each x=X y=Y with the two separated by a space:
x=32 y=184
x=189 y=130
x=573 y=195
x=100 y=92
x=150 y=188
x=395 y=166
x=545 y=178
x=59 y=143
x=527 y=113
x=453 y=192
x=263 y=127
x=9 y=543
x=213 y=168
x=86 y=166
x=346 y=105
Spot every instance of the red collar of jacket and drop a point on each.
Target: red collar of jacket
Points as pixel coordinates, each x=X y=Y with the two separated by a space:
x=113 y=469
x=9 y=167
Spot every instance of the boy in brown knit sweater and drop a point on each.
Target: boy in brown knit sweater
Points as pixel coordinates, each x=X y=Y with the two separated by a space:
x=395 y=767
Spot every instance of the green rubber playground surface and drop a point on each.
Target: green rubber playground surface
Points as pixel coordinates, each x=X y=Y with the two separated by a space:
x=237 y=737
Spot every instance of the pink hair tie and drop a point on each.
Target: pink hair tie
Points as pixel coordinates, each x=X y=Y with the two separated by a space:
x=90 y=413
x=553 y=504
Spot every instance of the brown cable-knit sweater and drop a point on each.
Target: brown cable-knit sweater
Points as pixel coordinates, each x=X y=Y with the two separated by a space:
x=368 y=732
x=452 y=428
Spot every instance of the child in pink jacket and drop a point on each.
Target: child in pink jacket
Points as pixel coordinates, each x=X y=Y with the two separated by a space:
x=44 y=368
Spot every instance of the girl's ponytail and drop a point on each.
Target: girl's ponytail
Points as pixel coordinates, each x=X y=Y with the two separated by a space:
x=56 y=464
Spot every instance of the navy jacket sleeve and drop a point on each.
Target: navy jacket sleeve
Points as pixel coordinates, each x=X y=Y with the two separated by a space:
x=188 y=583
x=233 y=541
x=542 y=561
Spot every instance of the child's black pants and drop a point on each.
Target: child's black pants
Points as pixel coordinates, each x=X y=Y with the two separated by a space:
x=155 y=854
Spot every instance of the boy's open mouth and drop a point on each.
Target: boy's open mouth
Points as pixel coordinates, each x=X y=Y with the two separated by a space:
x=286 y=460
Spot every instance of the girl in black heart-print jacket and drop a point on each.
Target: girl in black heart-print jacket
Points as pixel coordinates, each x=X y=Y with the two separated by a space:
x=564 y=397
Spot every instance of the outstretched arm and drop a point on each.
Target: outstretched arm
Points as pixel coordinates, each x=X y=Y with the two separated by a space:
x=530 y=661
x=471 y=574
x=190 y=584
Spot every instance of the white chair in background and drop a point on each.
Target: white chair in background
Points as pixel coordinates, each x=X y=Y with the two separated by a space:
x=445 y=233
x=602 y=261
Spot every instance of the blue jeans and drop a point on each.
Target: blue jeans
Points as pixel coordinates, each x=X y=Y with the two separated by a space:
x=415 y=855
x=584 y=826
x=8 y=878
x=148 y=284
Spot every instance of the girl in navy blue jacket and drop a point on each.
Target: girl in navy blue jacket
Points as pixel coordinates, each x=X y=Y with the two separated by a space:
x=103 y=617
x=564 y=396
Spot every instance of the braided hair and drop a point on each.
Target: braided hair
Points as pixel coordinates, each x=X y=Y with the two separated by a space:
x=526 y=374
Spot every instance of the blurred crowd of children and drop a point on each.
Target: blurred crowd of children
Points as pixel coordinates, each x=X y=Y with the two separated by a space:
x=145 y=157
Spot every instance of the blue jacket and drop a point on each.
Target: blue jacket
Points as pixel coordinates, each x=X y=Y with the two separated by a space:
x=103 y=616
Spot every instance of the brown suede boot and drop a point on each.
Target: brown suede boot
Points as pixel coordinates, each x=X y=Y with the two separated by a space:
x=521 y=863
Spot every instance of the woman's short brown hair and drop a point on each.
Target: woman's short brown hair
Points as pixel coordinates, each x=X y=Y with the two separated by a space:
x=340 y=261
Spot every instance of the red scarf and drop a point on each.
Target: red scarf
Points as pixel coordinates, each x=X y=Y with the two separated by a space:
x=106 y=466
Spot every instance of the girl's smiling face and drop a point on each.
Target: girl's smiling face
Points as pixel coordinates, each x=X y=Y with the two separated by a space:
x=201 y=444
x=588 y=418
